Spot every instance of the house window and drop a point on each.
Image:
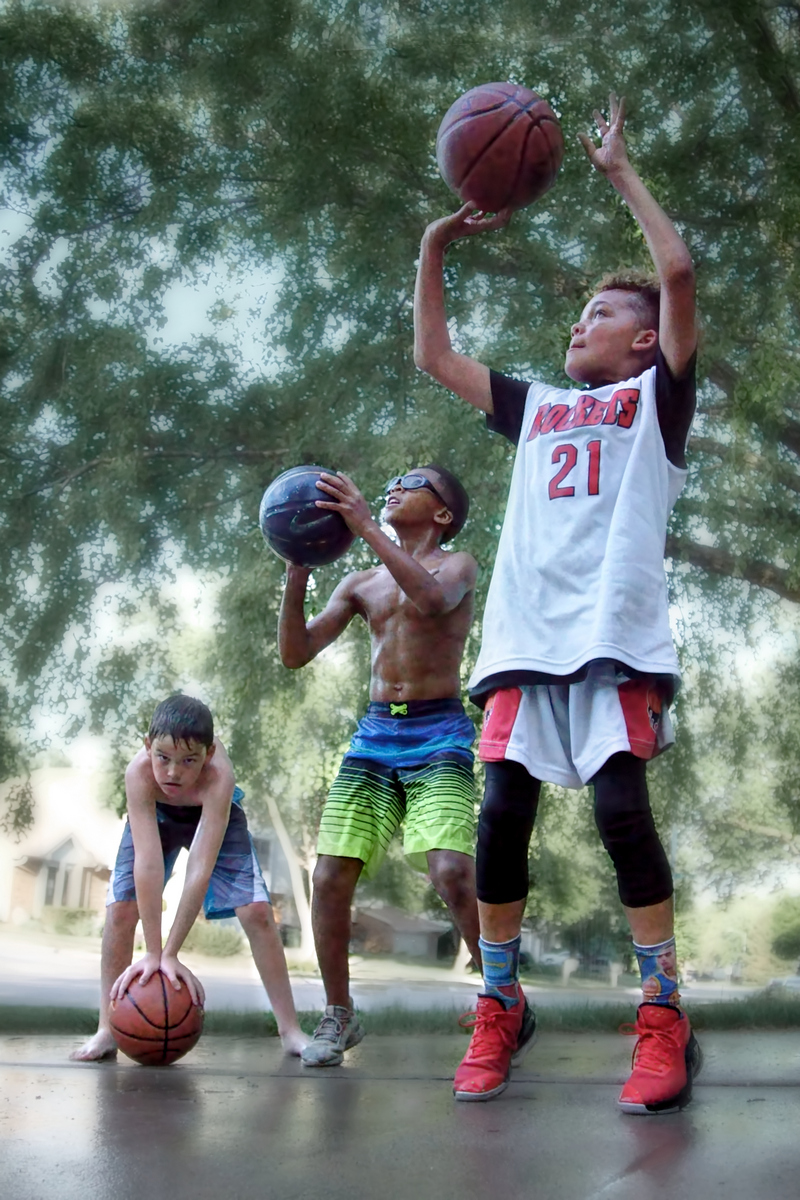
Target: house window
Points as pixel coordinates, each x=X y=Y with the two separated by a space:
x=50 y=886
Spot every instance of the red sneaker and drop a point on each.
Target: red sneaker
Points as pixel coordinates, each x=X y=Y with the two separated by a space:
x=666 y=1058
x=495 y=1040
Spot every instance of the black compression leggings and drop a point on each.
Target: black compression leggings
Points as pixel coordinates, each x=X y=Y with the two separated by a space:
x=623 y=817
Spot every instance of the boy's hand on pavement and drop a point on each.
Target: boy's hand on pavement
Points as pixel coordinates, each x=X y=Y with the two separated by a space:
x=612 y=155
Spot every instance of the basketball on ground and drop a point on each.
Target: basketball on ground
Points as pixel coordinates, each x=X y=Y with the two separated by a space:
x=156 y=1024
x=294 y=527
x=500 y=146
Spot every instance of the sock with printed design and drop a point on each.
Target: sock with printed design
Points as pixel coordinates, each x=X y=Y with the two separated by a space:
x=501 y=970
x=659 y=970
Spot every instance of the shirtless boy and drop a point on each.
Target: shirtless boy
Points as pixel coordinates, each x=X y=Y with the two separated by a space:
x=410 y=757
x=577 y=666
x=181 y=794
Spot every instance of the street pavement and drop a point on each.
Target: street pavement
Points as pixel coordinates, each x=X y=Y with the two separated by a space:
x=65 y=972
x=236 y=1119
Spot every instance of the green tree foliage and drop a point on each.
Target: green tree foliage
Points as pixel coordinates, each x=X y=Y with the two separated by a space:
x=786 y=928
x=143 y=144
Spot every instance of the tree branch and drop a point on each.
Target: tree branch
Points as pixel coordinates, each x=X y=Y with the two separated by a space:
x=721 y=562
x=767 y=831
x=201 y=456
x=783 y=474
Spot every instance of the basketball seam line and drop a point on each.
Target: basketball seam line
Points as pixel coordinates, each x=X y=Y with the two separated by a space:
x=150 y=1020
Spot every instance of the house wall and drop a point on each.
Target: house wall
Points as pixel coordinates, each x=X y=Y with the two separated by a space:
x=72 y=830
x=23 y=892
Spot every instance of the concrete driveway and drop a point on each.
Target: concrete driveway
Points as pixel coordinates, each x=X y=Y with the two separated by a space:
x=237 y=1120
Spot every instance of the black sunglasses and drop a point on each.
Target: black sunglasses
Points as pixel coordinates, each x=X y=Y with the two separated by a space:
x=410 y=483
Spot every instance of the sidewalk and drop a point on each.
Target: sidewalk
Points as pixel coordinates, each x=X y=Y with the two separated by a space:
x=236 y=1119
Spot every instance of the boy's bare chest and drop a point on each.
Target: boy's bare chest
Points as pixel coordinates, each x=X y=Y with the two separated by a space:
x=384 y=603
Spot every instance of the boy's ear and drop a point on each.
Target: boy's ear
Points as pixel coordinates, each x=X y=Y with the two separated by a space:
x=646 y=339
x=211 y=751
x=443 y=517
x=147 y=742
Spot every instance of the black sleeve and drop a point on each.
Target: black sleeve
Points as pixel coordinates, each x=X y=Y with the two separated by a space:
x=675 y=405
x=508 y=401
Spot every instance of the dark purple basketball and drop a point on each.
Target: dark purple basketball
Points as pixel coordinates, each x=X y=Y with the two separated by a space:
x=294 y=527
x=499 y=145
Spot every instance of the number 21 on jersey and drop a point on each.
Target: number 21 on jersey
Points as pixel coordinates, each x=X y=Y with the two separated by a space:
x=565 y=457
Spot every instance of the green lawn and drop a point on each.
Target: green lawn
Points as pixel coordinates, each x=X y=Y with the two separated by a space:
x=761 y=1011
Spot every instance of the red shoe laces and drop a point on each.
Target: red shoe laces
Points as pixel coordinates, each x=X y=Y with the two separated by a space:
x=655 y=1052
x=488 y=1027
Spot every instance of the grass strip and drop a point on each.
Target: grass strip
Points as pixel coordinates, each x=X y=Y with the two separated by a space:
x=761 y=1011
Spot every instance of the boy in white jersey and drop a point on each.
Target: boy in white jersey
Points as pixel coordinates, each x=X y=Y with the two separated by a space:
x=577 y=667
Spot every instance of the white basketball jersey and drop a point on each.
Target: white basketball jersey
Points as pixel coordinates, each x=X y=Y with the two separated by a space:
x=579 y=573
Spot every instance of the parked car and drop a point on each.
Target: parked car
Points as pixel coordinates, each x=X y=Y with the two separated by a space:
x=554 y=958
x=789 y=983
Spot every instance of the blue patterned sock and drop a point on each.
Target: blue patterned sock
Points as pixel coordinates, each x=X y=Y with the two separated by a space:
x=659 y=973
x=501 y=970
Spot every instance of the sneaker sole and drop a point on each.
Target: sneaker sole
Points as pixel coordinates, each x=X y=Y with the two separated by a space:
x=481 y=1095
x=694 y=1064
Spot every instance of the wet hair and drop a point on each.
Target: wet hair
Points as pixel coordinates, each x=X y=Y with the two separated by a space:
x=184 y=719
x=645 y=292
x=457 y=500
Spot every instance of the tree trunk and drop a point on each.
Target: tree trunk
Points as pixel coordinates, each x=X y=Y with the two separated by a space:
x=301 y=902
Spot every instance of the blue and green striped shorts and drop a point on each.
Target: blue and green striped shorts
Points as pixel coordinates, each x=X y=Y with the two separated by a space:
x=407 y=762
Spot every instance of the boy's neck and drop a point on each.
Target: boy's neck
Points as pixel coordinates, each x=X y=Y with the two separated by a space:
x=420 y=544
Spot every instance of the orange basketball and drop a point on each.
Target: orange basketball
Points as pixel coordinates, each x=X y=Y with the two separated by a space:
x=155 y=1024
x=499 y=145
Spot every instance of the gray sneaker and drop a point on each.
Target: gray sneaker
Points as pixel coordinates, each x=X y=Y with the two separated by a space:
x=339 y=1030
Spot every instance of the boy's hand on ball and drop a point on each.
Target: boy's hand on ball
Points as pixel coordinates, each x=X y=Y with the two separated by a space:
x=612 y=155
x=468 y=221
x=178 y=974
x=142 y=970
x=345 y=498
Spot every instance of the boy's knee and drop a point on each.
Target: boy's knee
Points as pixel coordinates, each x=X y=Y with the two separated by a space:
x=122 y=915
x=119 y=929
x=334 y=877
x=254 y=916
x=452 y=874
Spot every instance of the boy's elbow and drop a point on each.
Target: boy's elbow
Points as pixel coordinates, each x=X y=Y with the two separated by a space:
x=681 y=273
x=293 y=659
x=423 y=360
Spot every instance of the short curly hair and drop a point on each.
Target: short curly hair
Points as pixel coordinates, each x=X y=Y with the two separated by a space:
x=455 y=495
x=645 y=293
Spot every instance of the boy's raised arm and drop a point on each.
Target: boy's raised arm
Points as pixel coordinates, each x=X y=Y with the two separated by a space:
x=670 y=254
x=298 y=641
x=433 y=351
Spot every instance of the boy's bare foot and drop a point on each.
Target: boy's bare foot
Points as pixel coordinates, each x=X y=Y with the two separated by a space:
x=295 y=1042
x=99 y=1048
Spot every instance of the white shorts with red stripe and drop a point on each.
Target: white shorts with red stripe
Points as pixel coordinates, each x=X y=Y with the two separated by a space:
x=564 y=733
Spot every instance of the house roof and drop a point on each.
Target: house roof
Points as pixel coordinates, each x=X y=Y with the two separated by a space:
x=68 y=805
